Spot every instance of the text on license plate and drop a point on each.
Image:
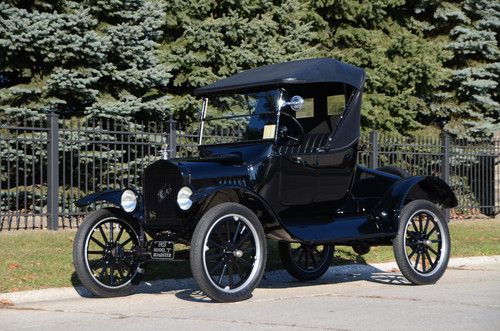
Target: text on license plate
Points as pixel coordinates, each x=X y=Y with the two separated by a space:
x=162 y=250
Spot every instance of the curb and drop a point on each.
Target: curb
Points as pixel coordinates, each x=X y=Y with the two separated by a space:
x=174 y=285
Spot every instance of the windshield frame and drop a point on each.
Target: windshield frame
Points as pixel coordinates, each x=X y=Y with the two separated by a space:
x=203 y=119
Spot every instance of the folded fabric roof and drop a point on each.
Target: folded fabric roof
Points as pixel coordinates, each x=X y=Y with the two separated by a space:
x=322 y=71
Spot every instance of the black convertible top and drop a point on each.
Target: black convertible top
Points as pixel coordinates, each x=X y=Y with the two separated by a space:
x=322 y=71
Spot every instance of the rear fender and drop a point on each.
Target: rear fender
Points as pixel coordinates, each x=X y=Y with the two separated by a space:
x=408 y=189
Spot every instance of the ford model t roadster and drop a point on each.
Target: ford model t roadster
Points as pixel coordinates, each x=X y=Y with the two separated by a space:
x=291 y=176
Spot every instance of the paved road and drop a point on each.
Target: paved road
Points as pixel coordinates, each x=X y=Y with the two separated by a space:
x=358 y=298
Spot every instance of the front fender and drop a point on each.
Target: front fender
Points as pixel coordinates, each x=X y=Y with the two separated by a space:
x=207 y=197
x=113 y=197
x=201 y=196
x=429 y=188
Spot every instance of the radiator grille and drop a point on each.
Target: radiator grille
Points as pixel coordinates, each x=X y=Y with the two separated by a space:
x=161 y=185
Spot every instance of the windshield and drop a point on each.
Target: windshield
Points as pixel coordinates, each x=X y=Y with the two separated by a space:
x=240 y=117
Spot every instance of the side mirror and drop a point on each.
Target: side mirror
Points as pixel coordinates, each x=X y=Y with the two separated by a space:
x=296 y=103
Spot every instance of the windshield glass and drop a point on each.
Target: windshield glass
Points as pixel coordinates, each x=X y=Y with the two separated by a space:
x=241 y=117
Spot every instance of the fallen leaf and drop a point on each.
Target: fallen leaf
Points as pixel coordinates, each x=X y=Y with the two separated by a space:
x=6 y=303
x=13 y=266
x=28 y=277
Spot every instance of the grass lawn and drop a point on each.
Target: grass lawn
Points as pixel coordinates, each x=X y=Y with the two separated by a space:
x=41 y=259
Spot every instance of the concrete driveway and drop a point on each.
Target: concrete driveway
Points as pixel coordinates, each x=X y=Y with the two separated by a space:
x=346 y=298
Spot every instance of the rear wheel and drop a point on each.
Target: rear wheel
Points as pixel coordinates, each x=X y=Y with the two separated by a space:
x=422 y=245
x=228 y=252
x=103 y=254
x=305 y=262
x=361 y=248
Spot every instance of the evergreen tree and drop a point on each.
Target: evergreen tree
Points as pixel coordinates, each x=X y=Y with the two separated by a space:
x=402 y=67
x=207 y=40
x=428 y=62
x=94 y=57
x=468 y=99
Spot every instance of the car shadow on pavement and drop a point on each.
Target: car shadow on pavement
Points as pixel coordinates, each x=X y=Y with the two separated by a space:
x=340 y=274
x=186 y=289
x=337 y=275
x=193 y=295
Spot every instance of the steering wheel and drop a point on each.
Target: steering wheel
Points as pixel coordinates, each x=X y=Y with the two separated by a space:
x=284 y=132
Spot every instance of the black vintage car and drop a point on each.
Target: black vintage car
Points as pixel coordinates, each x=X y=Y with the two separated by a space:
x=291 y=176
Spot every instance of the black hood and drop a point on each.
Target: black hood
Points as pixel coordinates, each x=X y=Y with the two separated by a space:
x=208 y=171
x=216 y=165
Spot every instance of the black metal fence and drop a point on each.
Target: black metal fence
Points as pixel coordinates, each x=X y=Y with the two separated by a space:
x=47 y=164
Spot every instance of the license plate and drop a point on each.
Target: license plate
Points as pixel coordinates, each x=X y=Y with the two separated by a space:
x=162 y=250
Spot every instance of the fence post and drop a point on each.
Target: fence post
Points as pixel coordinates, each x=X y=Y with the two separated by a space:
x=53 y=172
x=374 y=150
x=496 y=151
x=445 y=166
x=172 y=136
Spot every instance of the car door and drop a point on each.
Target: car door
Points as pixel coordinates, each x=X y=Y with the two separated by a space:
x=333 y=174
x=296 y=176
x=310 y=173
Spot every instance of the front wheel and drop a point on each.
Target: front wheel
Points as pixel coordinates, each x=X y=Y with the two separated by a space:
x=422 y=245
x=228 y=252
x=305 y=262
x=103 y=254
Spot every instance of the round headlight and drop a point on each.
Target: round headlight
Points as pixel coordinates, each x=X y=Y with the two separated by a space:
x=128 y=201
x=183 y=198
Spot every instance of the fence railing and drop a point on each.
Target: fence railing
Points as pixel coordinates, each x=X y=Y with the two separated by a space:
x=48 y=164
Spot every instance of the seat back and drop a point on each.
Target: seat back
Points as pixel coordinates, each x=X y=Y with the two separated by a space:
x=309 y=144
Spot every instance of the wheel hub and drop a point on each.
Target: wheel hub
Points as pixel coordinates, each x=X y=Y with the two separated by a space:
x=427 y=242
x=230 y=253
x=420 y=240
x=117 y=251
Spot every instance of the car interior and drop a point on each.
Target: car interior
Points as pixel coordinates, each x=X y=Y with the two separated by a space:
x=319 y=119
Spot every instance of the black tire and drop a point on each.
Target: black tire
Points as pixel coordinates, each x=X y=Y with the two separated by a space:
x=103 y=254
x=296 y=257
x=422 y=245
x=394 y=171
x=228 y=242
